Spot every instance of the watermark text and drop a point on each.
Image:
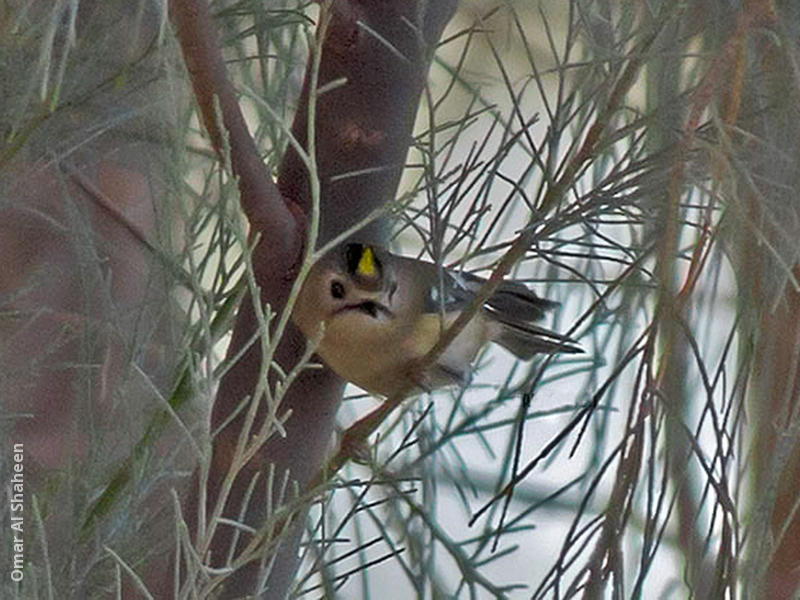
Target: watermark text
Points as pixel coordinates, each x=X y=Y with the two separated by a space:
x=16 y=492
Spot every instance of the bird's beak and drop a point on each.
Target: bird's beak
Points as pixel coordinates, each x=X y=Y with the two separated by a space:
x=372 y=307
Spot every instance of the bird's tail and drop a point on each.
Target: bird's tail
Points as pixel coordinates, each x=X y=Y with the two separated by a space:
x=524 y=340
x=516 y=301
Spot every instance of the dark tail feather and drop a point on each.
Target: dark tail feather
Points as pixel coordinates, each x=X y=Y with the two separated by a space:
x=518 y=301
x=526 y=341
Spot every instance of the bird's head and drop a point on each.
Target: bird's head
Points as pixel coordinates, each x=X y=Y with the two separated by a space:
x=354 y=281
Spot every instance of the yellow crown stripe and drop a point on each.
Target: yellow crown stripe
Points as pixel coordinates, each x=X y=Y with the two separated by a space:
x=366 y=264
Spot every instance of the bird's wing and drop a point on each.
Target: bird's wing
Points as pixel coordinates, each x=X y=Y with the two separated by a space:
x=514 y=302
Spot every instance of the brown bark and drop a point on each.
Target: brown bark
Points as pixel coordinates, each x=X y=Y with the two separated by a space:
x=362 y=127
x=770 y=305
x=777 y=389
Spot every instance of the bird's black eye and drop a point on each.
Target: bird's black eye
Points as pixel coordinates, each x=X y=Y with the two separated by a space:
x=337 y=290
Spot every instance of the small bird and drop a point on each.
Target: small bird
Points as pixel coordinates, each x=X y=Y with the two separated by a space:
x=383 y=312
